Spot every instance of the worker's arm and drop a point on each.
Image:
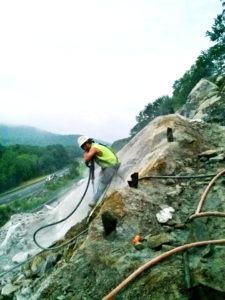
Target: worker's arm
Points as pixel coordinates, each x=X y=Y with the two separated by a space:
x=91 y=153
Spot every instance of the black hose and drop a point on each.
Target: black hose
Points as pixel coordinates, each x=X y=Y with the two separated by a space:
x=91 y=171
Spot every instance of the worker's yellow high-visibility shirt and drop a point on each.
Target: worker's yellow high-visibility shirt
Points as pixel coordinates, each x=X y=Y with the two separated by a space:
x=108 y=157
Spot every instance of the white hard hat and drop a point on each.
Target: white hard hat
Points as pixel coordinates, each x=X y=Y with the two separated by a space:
x=82 y=139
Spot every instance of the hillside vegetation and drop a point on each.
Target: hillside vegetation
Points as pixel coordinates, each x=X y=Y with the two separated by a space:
x=26 y=135
x=209 y=64
x=20 y=163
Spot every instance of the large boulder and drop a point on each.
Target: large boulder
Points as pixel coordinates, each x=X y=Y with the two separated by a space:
x=206 y=100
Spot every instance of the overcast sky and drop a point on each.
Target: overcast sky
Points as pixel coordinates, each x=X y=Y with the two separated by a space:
x=90 y=66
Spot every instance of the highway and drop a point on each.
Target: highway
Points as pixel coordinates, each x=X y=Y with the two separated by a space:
x=23 y=192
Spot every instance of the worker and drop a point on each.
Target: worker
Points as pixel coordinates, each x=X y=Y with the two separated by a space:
x=103 y=156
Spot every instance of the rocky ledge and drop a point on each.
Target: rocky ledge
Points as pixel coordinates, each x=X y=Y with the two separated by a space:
x=142 y=226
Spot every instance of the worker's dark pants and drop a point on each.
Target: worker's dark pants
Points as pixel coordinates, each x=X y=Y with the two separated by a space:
x=105 y=177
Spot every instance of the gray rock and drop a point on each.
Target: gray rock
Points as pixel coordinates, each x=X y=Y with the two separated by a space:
x=139 y=246
x=9 y=289
x=159 y=240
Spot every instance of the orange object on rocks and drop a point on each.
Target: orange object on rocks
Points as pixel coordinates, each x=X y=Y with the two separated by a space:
x=136 y=239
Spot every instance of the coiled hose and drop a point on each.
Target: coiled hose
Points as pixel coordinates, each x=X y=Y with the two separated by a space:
x=91 y=176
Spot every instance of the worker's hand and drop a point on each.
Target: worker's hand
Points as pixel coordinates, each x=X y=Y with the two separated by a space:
x=88 y=156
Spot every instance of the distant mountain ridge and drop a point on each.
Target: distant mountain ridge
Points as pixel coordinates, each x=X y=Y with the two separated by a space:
x=28 y=135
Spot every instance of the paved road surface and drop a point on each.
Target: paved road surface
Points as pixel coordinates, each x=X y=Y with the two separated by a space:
x=22 y=193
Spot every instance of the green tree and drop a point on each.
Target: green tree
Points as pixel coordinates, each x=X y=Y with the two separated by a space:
x=19 y=163
x=59 y=155
x=203 y=68
x=25 y=167
x=217 y=35
x=207 y=64
x=46 y=163
x=2 y=149
x=161 y=106
x=74 y=169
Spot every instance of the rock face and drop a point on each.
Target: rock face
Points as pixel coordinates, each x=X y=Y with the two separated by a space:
x=97 y=263
x=160 y=209
x=206 y=101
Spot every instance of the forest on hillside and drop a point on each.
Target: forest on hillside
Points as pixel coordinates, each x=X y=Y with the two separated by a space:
x=27 y=135
x=19 y=163
x=209 y=64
